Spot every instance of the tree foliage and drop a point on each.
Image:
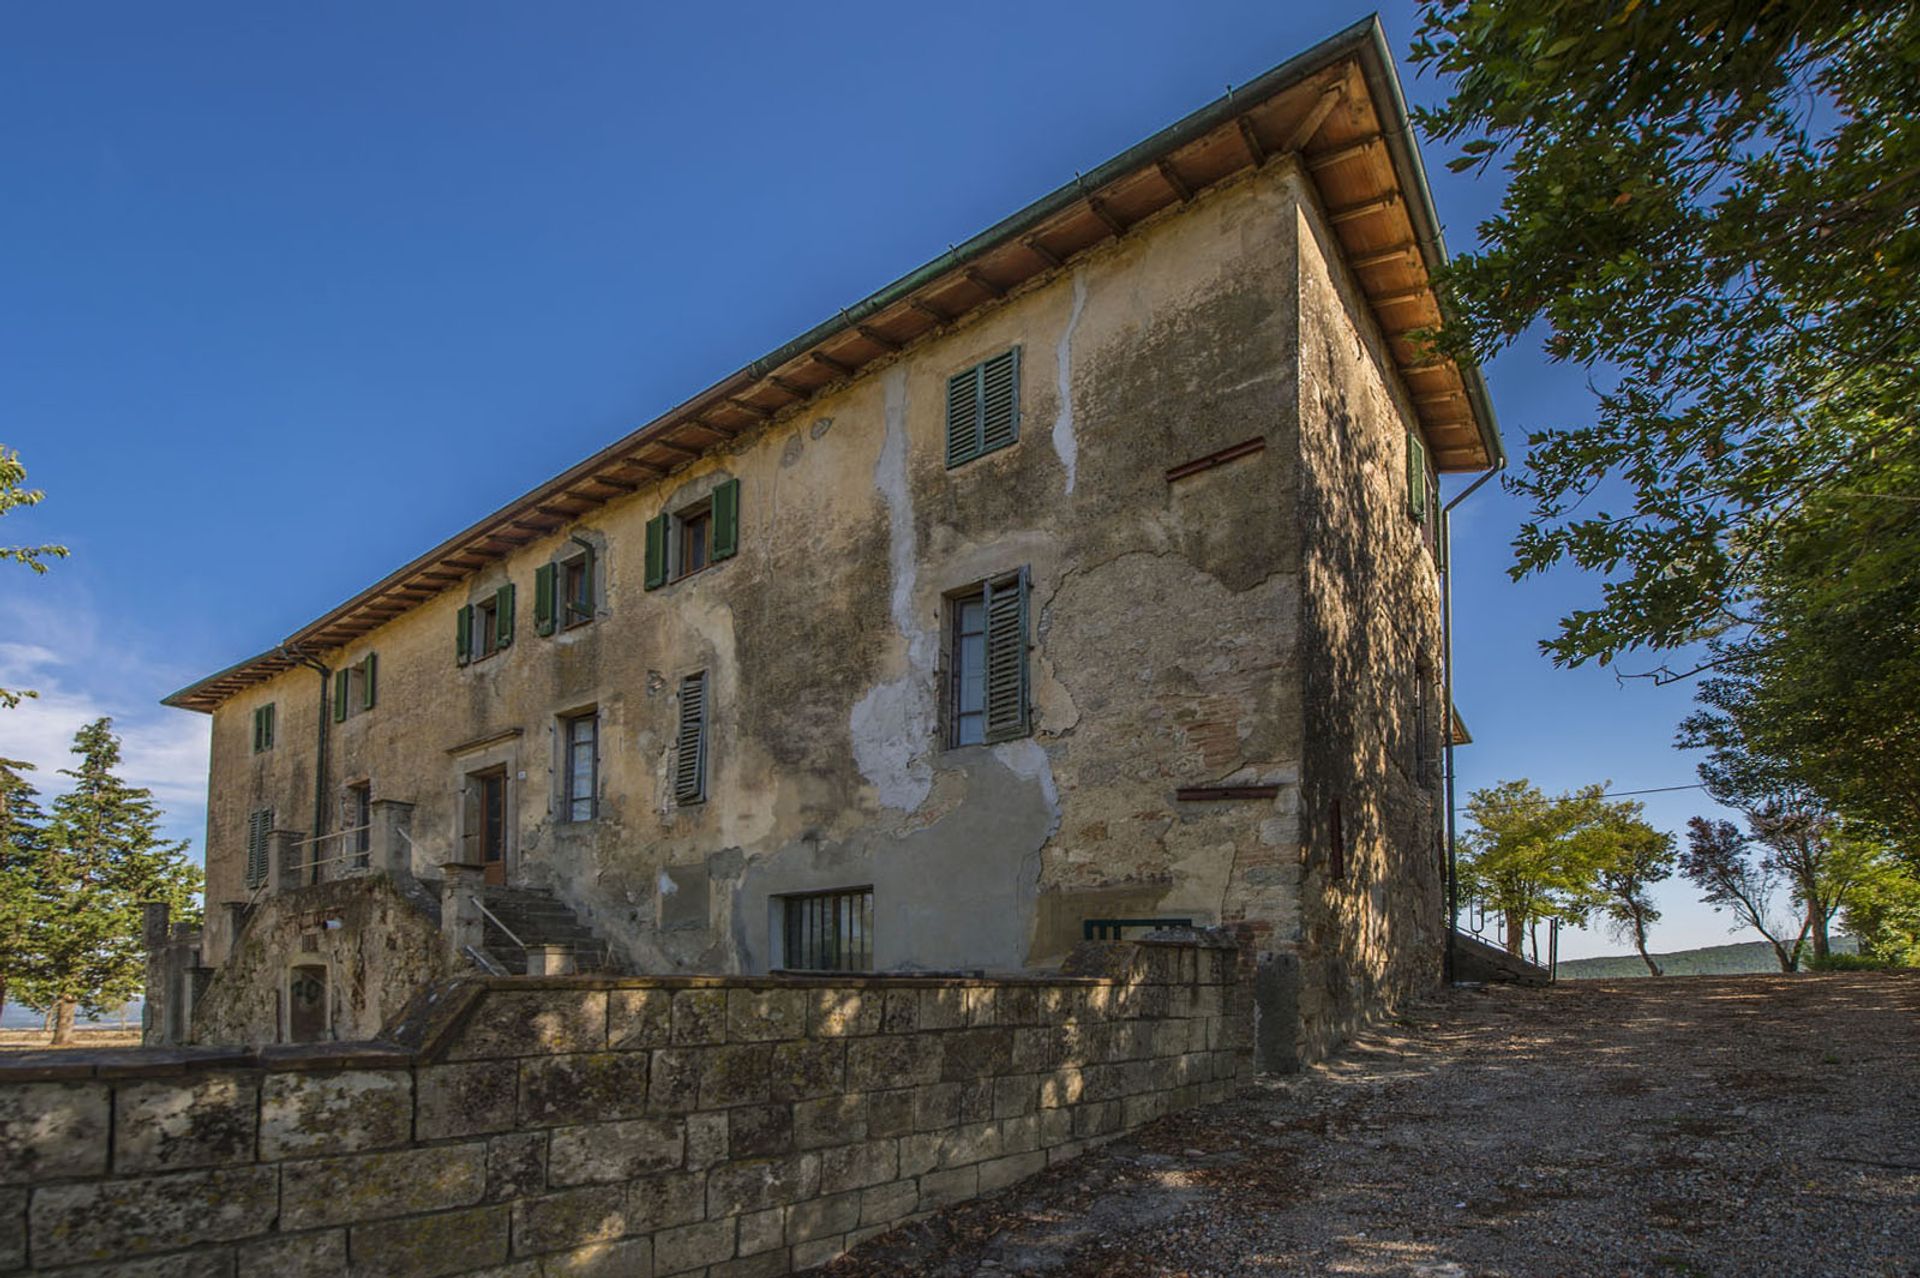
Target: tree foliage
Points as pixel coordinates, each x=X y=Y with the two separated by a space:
x=1631 y=858
x=93 y=864
x=1526 y=855
x=15 y=494
x=1713 y=208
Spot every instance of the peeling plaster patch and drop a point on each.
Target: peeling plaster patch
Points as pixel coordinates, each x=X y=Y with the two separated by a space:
x=899 y=710
x=667 y=886
x=1064 y=442
x=1026 y=759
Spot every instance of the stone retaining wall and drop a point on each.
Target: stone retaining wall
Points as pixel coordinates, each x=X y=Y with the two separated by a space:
x=526 y=1127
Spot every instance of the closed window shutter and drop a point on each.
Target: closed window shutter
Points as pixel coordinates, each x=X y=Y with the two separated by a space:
x=690 y=745
x=1416 y=476
x=369 y=669
x=503 y=615
x=259 y=727
x=463 y=635
x=339 y=695
x=267 y=713
x=259 y=823
x=963 y=416
x=726 y=520
x=1000 y=401
x=1006 y=606
x=543 y=609
x=656 y=552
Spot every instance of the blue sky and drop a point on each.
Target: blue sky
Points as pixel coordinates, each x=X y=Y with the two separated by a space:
x=292 y=292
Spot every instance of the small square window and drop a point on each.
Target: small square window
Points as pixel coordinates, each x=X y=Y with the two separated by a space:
x=693 y=540
x=486 y=628
x=263 y=729
x=827 y=931
x=576 y=591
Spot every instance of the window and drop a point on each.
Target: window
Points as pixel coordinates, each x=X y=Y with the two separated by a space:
x=354 y=688
x=563 y=593
x=263 y=729
x=1423 y=490
x=987 y=666
x=360 y=824
x=580 y=765
x=983 y=408
x=484 y=627
x=259 y=826
x=683 y=542
x=828 y=931
x=690 y=743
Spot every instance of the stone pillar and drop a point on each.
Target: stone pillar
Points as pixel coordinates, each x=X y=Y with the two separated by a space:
x=550 y=960
x=460 y=919
x=392 y=848
x=154 y=924
x=285 y=855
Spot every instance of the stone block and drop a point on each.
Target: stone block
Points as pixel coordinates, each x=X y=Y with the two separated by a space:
x=943 y=1188
x=316 y=1255
x=113 y=1219
x=831 y=1120
x=998 y=1173
x=819 y=1217
x=336 y=1191
x=172 y=1124
x=846 y=1167
x=976 y=1053
x=982 y=1006
x=334 y=1112
x=885 y=1204
x=765 y=1264
x=762 y=1231
x=13 y=1228
x=760 y=1131
x=818 y=1252
x=807 y=1068
x=429 y=1246
x=757 y=1184
x=624 y=1259
x=845 y=1013
x=761 y=1016
x=639 y=1019
x=589 y=1088
x=48 y=1130
x=603 y=1152
x=570 y=1219
x=692 y=1246
x=900 y=1060
x=213 y=1262
x=699 y=1017
x=900 y=1012
x=976 y=1101
x=468 y=1099
x=1038 y=1048
x=936 y=1106
x=1017 y=1005
x=516 y=1166
x=1056 y=1126
x=735 y=1075
x=706 y=1140
x=1062 y=1087
x=1020 y=1135
x=1015 y=1095
x=973 y=1143
x=673 y=1084
x=1138 y=1110
x=891 y=1113
x=661 y=1202
x=943 y=1009
x=533 y=1023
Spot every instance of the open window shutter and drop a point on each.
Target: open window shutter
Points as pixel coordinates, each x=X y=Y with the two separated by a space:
x=963 y=416
x=503 y=615
x=1000 y=401
x=690 y=744
x=1416 y=476
x=369 y=669
x=726 y=520
x=463 y=635
x=340 y=678
x=1006 y=604
x=592 y=566
x=656 y=552
x=257 y=721
x=543 y=610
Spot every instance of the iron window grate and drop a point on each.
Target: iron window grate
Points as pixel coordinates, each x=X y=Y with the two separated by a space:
x=829 y=931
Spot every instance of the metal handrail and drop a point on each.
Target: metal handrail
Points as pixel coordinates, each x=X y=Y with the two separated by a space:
x=480 y=905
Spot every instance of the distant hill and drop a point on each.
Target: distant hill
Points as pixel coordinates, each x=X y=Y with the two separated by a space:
x=1711 y=960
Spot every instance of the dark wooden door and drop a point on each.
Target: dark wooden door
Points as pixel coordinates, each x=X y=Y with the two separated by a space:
x=493 y=826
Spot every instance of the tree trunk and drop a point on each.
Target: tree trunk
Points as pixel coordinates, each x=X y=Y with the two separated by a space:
x=1516 y=927
x=1817 y=926
x=1640 y=943
x=63 y=1022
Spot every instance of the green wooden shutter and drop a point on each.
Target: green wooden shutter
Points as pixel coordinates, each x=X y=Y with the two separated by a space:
x=266 y=726
x=1416 y=476
x=656 y=552
x=339 y=695
x=259 y=823
x=963 y=416
x=1000 y=401
x=726 y=520
x=543 y=609
x=369 y=670
x=463 y=635
x=690 y=742
x=1006 y=607
x=503 y=615
x=257 y=721
x=592 y=566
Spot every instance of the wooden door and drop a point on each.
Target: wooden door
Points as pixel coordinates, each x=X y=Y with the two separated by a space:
x=493 y=826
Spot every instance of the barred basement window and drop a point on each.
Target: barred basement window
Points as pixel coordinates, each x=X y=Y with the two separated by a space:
x=690 y=742
x=828 y=931
x=259 y=825
x=983 y=408
x=987 y=667
x=263 y=729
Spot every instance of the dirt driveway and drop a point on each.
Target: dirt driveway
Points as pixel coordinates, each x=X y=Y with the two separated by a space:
x=1727 y=1125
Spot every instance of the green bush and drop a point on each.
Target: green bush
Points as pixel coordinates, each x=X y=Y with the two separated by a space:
x=1849 y=963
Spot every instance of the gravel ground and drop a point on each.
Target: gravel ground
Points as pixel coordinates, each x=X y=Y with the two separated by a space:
x=1687 y=1126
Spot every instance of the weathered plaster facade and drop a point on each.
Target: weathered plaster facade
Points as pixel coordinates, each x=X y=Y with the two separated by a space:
x=1269 y=624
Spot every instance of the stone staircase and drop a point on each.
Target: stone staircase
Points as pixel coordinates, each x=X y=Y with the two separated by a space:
x=1475 y=960
x=537 y=917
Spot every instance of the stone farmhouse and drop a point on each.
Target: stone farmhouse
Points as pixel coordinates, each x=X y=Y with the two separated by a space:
x=1088 y=579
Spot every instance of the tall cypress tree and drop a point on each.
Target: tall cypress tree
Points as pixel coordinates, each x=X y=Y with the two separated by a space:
x=103 y=860
x=22 y=840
